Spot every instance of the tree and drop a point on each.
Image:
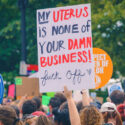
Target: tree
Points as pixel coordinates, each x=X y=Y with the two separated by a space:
x=108 y=28
x=10 y=35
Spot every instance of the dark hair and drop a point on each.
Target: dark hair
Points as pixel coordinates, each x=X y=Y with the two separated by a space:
x=16 y=110
x=8 y=116
x=38 y=102
x=117 y=97
x=29 y=107
x=55 y=102
x=61 y=116
x=79 y=106
x=61 y=96
x=64 y=105
x=96 y=103
x=112 y=115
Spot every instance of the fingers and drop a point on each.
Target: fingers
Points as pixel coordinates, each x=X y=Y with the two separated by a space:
x=65 y=89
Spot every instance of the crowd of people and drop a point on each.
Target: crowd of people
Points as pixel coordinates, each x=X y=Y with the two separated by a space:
x=63 y=110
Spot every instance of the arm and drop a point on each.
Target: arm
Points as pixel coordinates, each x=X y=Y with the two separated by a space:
x=85 y=98
x=22 y=100
x=74 y=115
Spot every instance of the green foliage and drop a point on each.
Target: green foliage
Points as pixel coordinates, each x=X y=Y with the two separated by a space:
x=108 y=28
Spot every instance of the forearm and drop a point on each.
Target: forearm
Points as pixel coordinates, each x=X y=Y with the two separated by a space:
x=85 y=98
x=74 y=115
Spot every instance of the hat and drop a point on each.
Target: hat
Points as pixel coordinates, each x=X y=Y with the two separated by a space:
x=108 y=107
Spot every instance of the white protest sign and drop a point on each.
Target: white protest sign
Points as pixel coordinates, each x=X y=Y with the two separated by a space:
x=64 y=41
x=77 y=96
x=115 y=86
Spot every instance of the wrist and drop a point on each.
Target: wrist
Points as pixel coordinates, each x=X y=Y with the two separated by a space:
x=69 y=98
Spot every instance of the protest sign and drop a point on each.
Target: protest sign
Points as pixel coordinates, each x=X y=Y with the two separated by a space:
x=1 y=89
x=64 y=41
x=45 y=100
x=11 y=90
x=114 y=86
x=50 y=94
x=103 y=67
x=77 y=96
x=27 y=86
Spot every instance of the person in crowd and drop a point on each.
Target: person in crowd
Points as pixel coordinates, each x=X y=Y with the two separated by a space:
x=61 y=96
x=64 y=105
x=38 y=102
x=30 y=120
x=34 y=120
x=110 y=114
x=61 y=117
x=121 y=110
x=96 y=103
x=38 y=111
x=16 y=110
x=88 y=116
x=117 y=97
x=28 y=107
x=54 y=103
x=8 y=116
x=91 y=116
x=79 y=106
x=42 y=120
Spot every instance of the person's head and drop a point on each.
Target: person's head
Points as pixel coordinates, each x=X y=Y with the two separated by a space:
x=109 y=112
x=64 y=105
x=38 y=102
x=61 y=96
x=54 y=103
x=79 y=106
x=90 y=116
x=117 y=97
x=121 y=110
x=30 y=120
x=43 y=120
x=96 y=103
x=16 y=110
x=8 y=116
x=29 y=107
x=61 y=117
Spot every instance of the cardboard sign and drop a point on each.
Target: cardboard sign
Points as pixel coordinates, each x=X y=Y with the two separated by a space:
x=11 y=90
x=50 y=94
x=1 y=89
x=103 y=67
x=29 y=87
x=115 y=86
x=64 y=41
